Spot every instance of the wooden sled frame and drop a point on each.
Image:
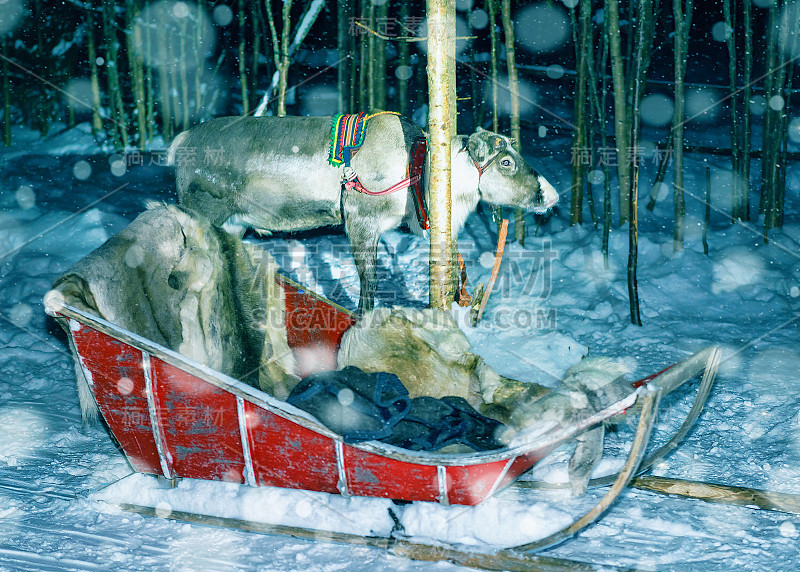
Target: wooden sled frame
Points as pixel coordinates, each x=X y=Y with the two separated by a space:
x=521 y=557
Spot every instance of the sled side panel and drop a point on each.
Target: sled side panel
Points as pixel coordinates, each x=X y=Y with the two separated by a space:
x=285 y=454
x=376 y=476
x=199 y=425
x=118 y=384
x=314 y=329
x=471 y=484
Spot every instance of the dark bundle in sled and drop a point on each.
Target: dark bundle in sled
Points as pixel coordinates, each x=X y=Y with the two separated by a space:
x=376 y=406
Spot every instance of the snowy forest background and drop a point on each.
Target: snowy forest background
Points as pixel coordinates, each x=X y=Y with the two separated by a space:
x=141 y=72
x=692 y=167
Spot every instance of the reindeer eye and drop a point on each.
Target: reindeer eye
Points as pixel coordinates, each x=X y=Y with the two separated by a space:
x=506 y=162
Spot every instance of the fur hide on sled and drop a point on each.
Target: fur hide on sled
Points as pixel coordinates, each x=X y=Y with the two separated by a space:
x=431 y=356
x=172 y=278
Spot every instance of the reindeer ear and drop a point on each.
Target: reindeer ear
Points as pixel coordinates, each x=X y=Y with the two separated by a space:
x=477 y=147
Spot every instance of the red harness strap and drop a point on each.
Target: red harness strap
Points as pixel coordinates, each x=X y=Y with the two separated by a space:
x=414 y=180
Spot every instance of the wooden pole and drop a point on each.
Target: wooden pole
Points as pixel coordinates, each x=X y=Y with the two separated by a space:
x=441 y=99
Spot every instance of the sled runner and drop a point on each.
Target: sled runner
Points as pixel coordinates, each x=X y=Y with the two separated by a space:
x=174 y=418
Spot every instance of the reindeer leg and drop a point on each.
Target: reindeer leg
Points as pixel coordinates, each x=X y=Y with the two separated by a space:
x=364 y=245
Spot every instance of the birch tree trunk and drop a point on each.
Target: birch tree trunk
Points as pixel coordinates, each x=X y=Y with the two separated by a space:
x=683 y=18
x=441 y=98
x=620 y=108
x=513 y=87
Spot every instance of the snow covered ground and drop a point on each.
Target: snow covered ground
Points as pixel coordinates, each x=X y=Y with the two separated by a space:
x=555 y=302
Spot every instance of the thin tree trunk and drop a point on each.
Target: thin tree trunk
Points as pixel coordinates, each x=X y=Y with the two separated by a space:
x=149 y=100
x=363 y=61
x=370 y=58
x=112 y=70
x=199 y=59
x=255 y=17
x=441 y=62
x=379 y=67
x=592 y=118
x=660 y=174
x=475 y=85
x=683 y=20
x=343 y=12
x=646 y=18
x=790 y=41
x=774 y=136
x=730 y=33
x=747 y=73
x=513 y=87
x=6 y=96
x=604 y=142
x=497 y=212
x=580 y=135
x=164 y=84
x=402 y=82
x=184 y=74
x=283 y=81
x=136 y=67
x=492 y=6
x=707 y=217
x=243 y=58
x=97 y=121
x=44 y=107
x=620 y=108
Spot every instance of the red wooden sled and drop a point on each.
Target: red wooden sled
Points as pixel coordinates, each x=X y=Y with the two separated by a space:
x=177 y=418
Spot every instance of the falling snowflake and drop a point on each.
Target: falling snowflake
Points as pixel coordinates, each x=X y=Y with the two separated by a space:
x=82 y=170
x=542 y=27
